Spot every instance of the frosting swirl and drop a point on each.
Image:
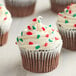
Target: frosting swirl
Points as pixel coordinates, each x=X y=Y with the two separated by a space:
x=67 y=19
x=5 y=19
x=38 y=36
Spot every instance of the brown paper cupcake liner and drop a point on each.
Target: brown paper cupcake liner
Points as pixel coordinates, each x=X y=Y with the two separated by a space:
x=57 y=7
x=3 y=38
x=40 y=61
x=20 y=11
x=69 y=38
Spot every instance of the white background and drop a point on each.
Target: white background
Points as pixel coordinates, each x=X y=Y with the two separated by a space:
x=10 y=59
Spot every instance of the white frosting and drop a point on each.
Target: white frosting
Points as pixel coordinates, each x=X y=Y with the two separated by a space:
x=5 y=19
x=54 y=36
x=69 y=15
x=21 y=2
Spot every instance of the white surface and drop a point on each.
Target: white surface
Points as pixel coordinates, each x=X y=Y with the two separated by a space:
x=10 y=59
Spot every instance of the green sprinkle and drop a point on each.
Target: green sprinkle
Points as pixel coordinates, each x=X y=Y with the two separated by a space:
x=66 y=21
x=38 y=36
x=6 y=12
x=38 y=21
x=21 y=33
x=66 y=10
x=74 y=15
x=37 y=47
x=1 y=4
x=50 y=40
x=52 y=32
x=49 y=25
x=21 y=39
x=33 y=27
x=17 y=39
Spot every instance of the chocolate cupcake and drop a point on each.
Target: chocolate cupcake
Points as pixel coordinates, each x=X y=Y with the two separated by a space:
x=67 y=26
x=40 y=47
x=59 y=5
x=20 y=8
x=5 y=22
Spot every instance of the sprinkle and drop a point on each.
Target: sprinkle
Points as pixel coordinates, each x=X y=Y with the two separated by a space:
x=49 y=25
x=38 y=36
x=68 y=7
x=56 y=38
x=6 y=12
x=74 y=15
x=5 y=18
x=70 y=11
x=57 y=30
x=29 y=27
x=21 y=39
x=50 y=40
x=66 y=21
x=29 y=33
x=38 y=21
x=46 y=44
x=66 y=11
x=34 y=19
x=16 y=43
x=65 y=17
x=43 y=28
x=52 y=29
x=37 y=47
x=30 y=43
x=47 y=35
x=17 y=39
x=0 y=7
x=74 y=25
x=52 y=32
x=33 y=27
x=21 y=33
x=60 y=14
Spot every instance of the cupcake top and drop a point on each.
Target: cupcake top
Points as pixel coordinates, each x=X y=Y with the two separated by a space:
x=38 y=36
x=5 y=19
x=67 y=19
x=21 y=2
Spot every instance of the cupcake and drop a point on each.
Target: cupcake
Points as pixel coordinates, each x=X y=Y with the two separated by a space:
x=67 y=26
x=20 y=8
x=40 y=47
x=5 y=22
x=59 y=5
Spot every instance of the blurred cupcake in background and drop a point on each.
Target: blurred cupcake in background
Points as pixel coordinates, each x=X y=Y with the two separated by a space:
x=67 y=27
x=59 y=5
x=40 y=47
x=20 y=8
x=5 y=23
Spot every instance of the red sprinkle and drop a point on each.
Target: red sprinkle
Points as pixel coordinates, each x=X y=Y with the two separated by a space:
x=60 y=14
x=65 y=17
x=47 y=35
x=0 y=7
x=30 y=43
x=74 y=25
x=46 y=44
x=52 y=29
x=43 y=28
x=56 y=38
x=57 y=30
x=29 y=27
x=34 y=19
x=5 y=18
x=68 y=7
x=16 y=43
x=29 y=33
x=70 y=11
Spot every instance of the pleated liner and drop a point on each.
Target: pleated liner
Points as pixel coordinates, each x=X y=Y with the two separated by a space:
x=40 y=62
x=3 y=38
x=56 y=7
x=69 y=38
x=18 y=11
